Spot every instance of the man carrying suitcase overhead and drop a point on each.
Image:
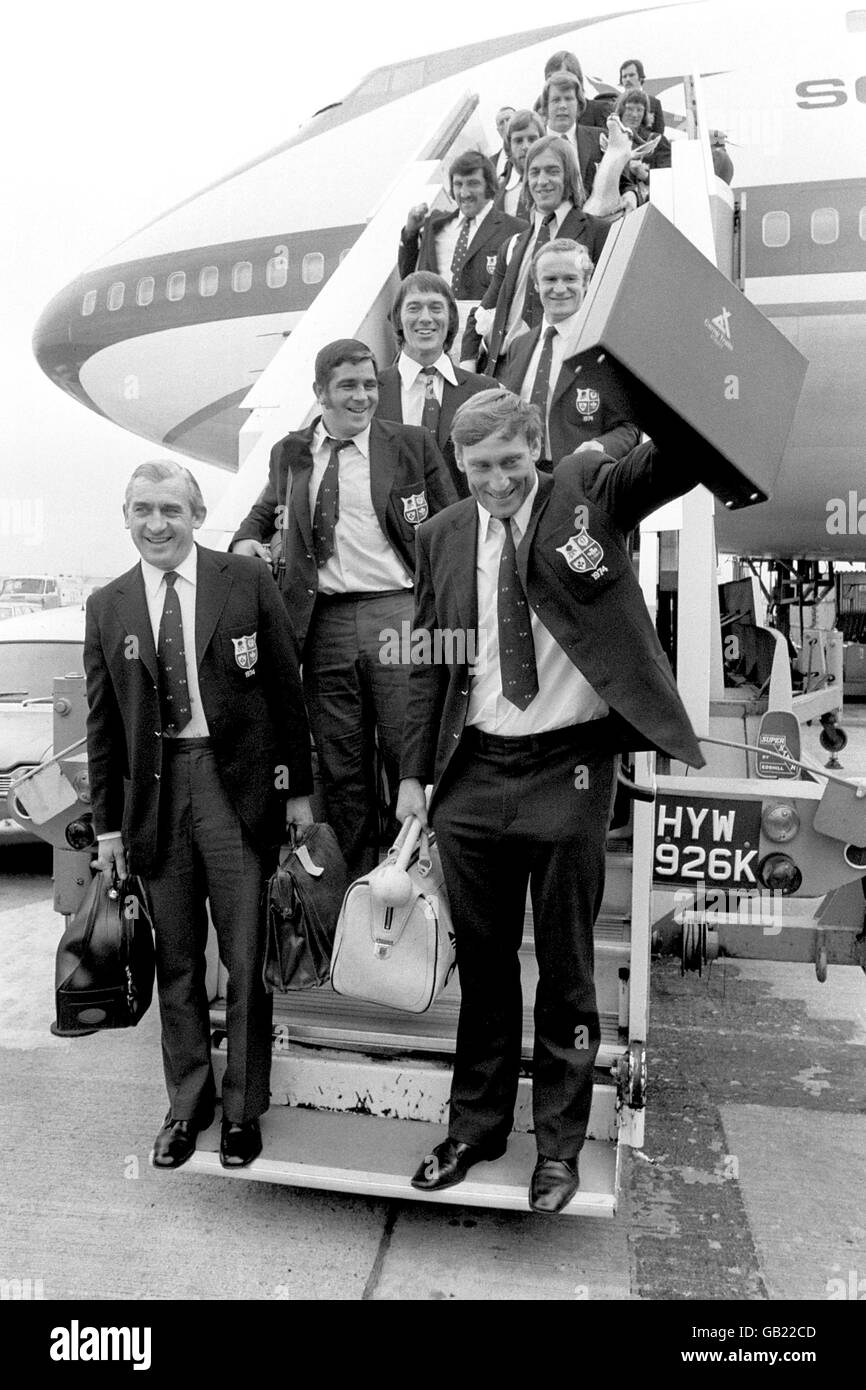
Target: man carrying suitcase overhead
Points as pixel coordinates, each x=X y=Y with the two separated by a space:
x=522 y=754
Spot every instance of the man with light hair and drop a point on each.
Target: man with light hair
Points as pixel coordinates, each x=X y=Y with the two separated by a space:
x=581 y=402
x=199 y=757
x=521 y=751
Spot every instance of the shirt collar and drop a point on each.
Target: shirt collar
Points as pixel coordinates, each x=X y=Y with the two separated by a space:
x=410 y=370
x=520 y=518
x=361 y=441
x=479 y=216
x=559 y=216
x=567 y=329
x=153 y=576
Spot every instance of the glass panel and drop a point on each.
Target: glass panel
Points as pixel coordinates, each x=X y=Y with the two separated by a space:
x=825 y=226
x=312 y=268
x=144 y=293
x=175 y=287
x=88 y=303
x=862 y=224
x=208 y=281
x=776 y=229
x=115 y=295
x=242 y=276
x=277 y=268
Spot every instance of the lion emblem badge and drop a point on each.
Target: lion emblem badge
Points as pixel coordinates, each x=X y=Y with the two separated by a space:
x=246 y=652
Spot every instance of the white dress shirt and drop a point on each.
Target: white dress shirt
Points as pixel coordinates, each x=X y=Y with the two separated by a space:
x=446 y=239
x=515 y=324
x=363 y=558
x=413 y=385
x=156 y=588
x=564 y=696
x=512 y=192
x=564 y=345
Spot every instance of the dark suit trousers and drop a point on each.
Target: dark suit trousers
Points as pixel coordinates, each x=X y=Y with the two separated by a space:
x=503 y=820
x=353 y=698
x=204 y=853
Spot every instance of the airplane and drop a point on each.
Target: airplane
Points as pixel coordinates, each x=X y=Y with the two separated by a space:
x=167 y=333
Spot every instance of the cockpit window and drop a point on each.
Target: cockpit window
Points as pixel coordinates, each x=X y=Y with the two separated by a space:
x=208 y=280
x=277 y=268
x=115 y=295
x=88 y=303
x=144 y=293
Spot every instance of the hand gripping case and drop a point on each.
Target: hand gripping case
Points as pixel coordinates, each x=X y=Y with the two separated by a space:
x=394 y=943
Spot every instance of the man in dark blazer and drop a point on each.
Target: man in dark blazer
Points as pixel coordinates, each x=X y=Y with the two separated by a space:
x=582 y=403
x=521 y=750
x=509 y=306
x=346 y=496
x=562 y=102
x=513 y=197
x=631 y=78
x=424 y=387
x=198 y=754
x=460 y=246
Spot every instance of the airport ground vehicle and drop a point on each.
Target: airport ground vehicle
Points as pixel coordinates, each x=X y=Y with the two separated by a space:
x=361 y=1093
x=25 y=592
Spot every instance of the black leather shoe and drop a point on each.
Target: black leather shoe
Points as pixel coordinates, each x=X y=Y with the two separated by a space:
x=554 y=1183
x=239 y=1144
x=175 y=1143
x=449 y=1163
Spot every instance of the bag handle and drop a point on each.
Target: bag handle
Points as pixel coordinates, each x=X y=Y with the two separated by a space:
x=404 y=846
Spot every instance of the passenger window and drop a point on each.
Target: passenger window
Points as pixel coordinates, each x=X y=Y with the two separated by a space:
x=115 y=295
x=175 y=285
x=312 y=268
x=825 y=226
x=88 y=303
x=277 y=268
x=862 y=224
x=776 y=229
x=144 y=293
x=208 y=281
x=242 y=276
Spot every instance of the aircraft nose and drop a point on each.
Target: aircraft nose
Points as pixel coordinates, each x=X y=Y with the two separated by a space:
x=60 y=351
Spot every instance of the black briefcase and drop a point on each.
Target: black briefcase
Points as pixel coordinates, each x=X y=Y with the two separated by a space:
x=105 y=960
x=302 y=903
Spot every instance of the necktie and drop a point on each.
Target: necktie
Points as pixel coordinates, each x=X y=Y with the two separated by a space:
x=430 y=413
x=517 y=670
x=541 y=385
x=171 y=663
x=460 y=250
x=532 y=310
x=326 y=512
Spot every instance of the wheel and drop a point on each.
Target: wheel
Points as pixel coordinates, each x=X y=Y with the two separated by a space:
x=633 y=1076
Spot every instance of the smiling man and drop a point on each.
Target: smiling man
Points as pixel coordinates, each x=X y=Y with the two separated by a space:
x=524 y=129
x=424 y=387
x=521 y=751
x=582 y=404
x=196 y=737
x=346 y=496
x=460 y=246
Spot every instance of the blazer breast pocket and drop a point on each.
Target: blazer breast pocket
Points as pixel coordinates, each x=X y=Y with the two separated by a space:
x=240 y=649
x=412 y=504
x=584 y=557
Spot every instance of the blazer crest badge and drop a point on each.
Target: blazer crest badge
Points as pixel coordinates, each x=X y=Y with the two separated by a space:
x=587 y=401
x=415 y=509
x=246 y=652
x=491 y=264
x=582 y=553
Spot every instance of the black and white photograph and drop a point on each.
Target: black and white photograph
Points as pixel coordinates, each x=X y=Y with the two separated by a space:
x=433 y=668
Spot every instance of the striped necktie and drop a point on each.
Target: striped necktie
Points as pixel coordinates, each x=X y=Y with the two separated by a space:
x=174 y=703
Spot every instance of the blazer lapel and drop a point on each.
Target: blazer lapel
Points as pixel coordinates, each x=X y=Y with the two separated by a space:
x=211 y=591
x=390 y=405
x=463 y=548
x=521 y=353
x=542 y=497
x=299 y=458
x=382 y=461
x=131 y=604
x=564 y=380
x=488 y=227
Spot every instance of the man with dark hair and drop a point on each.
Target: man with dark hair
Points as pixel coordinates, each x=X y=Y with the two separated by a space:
x=631 y=79
x=511 y=305
x=424 y=387
x=460 y=246
x=524 y=129
x=198 y=755
x=347 y=495
x=582 y=404
x=521 y=750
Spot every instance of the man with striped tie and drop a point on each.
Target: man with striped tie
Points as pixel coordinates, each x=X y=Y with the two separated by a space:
x=460 y=246
x=521 y=750
x=581 y=402
x=347 y=495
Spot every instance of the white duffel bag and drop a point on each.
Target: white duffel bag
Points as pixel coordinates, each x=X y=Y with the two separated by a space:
x=394 y=943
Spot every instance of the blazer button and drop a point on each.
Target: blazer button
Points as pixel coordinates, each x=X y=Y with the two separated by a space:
x=464 y=692
x=156 y=777
x=311 y=591
x=158 y=733
x=455 y=735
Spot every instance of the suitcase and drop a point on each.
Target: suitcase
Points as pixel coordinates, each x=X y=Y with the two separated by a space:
x=394 y=943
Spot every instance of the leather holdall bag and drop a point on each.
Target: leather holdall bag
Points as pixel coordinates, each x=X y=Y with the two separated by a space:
x=105 y=960
x=394 y=942
x=302 y=903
